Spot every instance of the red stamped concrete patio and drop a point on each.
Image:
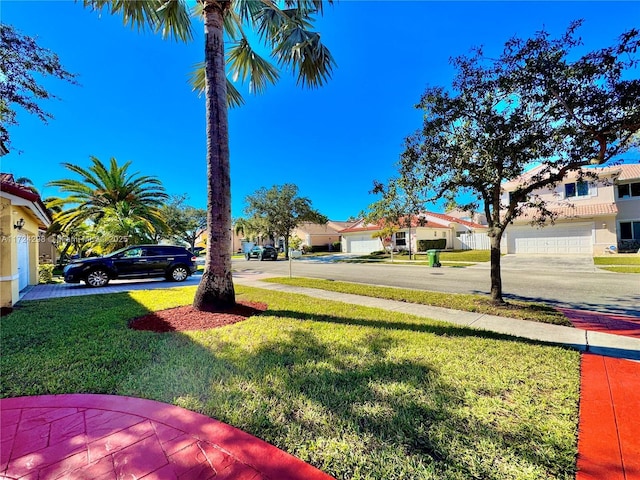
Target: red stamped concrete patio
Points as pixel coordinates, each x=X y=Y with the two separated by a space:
x=101 y=437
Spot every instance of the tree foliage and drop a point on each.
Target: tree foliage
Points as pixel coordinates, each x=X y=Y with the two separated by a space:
x=184 y=223
x=21 y=62
x=536 y=103
x=282 y=210
x=398 y=207
x=114 y=201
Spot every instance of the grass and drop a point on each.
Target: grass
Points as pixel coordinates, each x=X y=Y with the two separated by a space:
x=454 y=258
x=619 y=263
x=358 y=392
x=465 y=302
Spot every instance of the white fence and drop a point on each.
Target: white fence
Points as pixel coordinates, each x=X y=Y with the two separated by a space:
x=472 y=241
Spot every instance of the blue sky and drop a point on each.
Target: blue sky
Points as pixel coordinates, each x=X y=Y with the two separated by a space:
x=134 y=101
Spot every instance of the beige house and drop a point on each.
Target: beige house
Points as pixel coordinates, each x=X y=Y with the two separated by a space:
x=593 y=217
x=362 y=236
x=23 y=219
x=318 y=235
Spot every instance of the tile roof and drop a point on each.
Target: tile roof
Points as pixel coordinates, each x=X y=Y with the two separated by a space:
x=627 y=171
x=450 y=219
x=566 y=211
x=438 y=220
x=9 y=185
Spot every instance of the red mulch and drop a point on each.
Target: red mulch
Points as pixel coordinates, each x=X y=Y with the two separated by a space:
x=188 y=318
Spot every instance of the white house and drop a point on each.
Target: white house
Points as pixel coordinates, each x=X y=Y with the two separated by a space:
x=592 y=216
x=361 y=237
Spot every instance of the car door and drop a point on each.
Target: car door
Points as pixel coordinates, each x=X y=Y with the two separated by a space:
x=158 y=260
x=131 y=263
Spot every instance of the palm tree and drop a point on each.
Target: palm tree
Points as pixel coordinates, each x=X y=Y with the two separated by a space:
x=103 y=192
x=287 y=31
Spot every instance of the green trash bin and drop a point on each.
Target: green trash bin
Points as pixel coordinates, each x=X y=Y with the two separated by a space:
x=434 y=258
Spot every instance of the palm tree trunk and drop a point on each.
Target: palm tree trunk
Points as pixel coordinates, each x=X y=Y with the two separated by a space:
x=216 y=287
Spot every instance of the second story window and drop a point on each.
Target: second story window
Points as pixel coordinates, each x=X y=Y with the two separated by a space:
x=576 y=189
x=629 y=190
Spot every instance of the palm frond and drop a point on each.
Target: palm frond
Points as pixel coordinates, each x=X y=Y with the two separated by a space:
x=171 y=17
x=174 y=20
x=245 y=63
x=303 y=51
x=197 y=80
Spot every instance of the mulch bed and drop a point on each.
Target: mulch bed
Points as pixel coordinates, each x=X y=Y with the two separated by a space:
x=188 y=318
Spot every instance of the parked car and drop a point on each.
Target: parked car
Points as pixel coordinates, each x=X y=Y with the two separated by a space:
x=137 y=261
x=262 y=252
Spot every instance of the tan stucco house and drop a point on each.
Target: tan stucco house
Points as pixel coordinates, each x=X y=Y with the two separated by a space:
x=360 y=237
x=592 y=215
x=23 y=218
x=320 y=235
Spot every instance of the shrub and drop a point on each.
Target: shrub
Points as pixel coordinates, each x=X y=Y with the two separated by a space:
x=337 y=246
x=439 y=244
x=45 y=272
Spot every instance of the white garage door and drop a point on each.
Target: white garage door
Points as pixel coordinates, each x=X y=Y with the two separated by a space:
x=557 y=239
x=363 y=244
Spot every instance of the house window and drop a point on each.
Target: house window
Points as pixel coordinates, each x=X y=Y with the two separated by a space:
x=630 y=230
x=629 y=190
x=576 y=189
x=401 y=239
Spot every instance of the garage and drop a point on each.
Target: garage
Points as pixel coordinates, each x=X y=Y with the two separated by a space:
x=362 y=244
x=553 y=240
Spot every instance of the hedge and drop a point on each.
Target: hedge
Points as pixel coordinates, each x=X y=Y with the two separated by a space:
x=439 y=244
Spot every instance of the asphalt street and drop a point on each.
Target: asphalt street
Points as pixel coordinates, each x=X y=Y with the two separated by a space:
x=567 y=282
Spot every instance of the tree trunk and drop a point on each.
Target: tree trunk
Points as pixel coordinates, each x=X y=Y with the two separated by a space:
x=496 y=278
x=216 y=287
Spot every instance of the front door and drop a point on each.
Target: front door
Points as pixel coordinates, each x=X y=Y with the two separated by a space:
x=23 y=261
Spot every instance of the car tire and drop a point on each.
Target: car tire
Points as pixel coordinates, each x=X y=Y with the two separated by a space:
x=248 y=257
x=261 y=258
x=97 y=278
x=179 y=273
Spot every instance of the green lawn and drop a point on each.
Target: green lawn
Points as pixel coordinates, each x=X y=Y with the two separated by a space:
x=465 y=302
x=358 y=392
x=454 y=258
x=624 y=263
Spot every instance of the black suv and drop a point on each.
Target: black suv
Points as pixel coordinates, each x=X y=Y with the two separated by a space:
x=137 y=261
x=261 y=253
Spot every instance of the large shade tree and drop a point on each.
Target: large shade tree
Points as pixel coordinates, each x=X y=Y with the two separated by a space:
x=537 y=103
x=283 y=27
x=281 y=210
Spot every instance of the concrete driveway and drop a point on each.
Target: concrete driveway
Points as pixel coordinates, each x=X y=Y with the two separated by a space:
x=556 y=263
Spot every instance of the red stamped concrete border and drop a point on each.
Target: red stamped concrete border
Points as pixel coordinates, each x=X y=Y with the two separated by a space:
x=95 y=436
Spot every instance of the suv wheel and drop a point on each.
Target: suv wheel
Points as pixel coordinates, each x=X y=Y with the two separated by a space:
x=179 y=273
x=97 y=278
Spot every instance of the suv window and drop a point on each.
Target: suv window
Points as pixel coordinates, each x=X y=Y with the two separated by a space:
x=133 y=253
x=155 y=251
